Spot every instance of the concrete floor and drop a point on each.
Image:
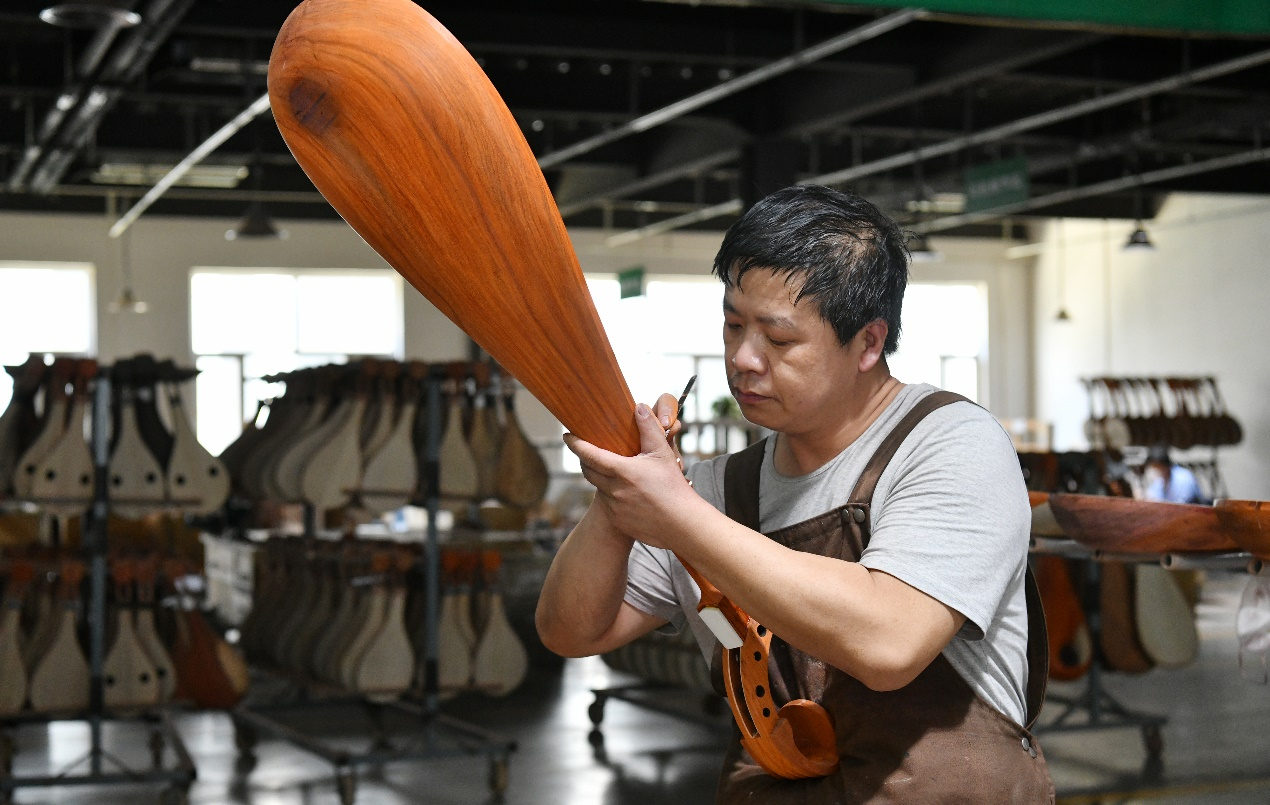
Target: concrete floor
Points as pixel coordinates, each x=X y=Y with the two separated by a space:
x=1216 y=745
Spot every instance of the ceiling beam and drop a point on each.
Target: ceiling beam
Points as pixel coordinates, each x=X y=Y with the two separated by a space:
x=1047 y=118
x=753 y=78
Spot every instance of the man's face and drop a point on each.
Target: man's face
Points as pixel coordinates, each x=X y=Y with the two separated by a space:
x=785 y=366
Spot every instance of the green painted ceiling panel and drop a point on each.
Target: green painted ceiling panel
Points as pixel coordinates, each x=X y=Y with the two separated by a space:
x=1242 y=17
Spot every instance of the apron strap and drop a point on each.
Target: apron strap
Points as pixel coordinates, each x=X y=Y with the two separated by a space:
x=741 y=503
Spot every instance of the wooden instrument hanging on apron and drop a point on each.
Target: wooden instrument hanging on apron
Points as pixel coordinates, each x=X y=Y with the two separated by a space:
x=405 y=136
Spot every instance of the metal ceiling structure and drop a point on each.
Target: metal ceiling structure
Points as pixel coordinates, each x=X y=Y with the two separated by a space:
x=653 y=116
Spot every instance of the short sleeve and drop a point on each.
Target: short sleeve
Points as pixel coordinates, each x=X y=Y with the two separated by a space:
x=951 y=515
x=649 y=587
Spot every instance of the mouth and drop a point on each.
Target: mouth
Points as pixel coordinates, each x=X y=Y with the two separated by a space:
x=748 y=398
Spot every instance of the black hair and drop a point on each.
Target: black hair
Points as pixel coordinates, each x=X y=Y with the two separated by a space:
x=1159 y=454
x=850 y=255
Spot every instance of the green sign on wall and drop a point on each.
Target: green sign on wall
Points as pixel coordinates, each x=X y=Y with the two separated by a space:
x=997 y=184
x=631 y=282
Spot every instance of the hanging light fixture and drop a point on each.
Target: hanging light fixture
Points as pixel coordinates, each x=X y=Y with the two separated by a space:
x=91 y=14
x=256 y=223
x=1062 y=315
x=127 y=301
x=1139 y=240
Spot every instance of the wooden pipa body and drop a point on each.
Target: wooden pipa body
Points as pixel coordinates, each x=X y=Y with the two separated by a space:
x=372 y=98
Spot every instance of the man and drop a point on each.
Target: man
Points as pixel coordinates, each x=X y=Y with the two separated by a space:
x=897 y=593
x=1169 y=482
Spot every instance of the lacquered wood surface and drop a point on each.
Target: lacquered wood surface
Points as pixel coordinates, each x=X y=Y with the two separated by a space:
x=1248 y=523
x=404 y=135
x=1125 y=525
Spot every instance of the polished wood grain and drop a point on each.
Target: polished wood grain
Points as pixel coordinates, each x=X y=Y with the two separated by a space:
x=404 y=135
x=1125 y=525
x=1248 y=523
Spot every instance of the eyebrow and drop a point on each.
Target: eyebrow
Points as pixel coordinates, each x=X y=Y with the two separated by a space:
x=770 y=321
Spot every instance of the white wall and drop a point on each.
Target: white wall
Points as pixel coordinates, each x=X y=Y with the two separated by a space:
x=1195 y=306
x=163 y=250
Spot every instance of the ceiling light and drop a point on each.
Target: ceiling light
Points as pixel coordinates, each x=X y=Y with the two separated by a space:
x=921 y=251
x=127 y=302
x=563 y=67
x=256 y=223
x=522 y=64
x=1063 y=315
x=685 y=73
x=537 y=125
x=725 y=73
x=1138 y=240
x=136 y=173
x=91 y=14
x=606 y=68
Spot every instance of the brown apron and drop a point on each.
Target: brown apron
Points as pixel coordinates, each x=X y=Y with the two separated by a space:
x=933 y=741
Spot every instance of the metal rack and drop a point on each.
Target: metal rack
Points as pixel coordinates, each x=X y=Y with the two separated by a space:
x=103 y=768
x=436 y=735
x=1095 y=708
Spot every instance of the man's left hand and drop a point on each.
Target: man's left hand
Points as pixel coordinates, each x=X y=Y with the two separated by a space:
x=646 y=496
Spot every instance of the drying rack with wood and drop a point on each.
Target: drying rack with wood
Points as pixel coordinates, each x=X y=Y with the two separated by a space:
x=1103 y=566
x=58 y=695
x=383 y=655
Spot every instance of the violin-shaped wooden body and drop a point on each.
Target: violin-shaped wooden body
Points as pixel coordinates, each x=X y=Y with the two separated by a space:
x=405 y=136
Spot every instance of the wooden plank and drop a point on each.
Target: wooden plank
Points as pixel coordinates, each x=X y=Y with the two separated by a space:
x=1125 y=525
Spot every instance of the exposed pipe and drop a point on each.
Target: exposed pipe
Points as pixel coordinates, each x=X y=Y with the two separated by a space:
x=679 y=221
x=757 y=76
x=1096 y=189
x=1042 y=119
x=885 y=104
x=652 y=180
x=193 y=158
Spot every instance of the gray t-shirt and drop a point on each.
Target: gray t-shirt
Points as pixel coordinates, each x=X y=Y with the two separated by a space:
x=950 y=517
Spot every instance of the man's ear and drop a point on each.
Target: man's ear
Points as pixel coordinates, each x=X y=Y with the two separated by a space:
x=873 y=336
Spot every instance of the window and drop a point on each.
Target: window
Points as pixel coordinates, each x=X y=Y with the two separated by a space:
x=57 y=313
x=944 y=337
x=247 y=324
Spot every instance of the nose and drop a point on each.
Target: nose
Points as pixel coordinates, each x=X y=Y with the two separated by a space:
x=747 y=357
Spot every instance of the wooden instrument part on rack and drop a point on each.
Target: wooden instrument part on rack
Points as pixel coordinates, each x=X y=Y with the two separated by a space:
x=63 y=477
x=193 y=473
x=1071 y=648
x=1166 y=625
x=59 y=680
x=19 y=421
x=456 y=464
x=129 y=678
x=52 y=425
x=392 y=471
x=376 y=610
x=147 y=635
x=284 y=478
x=499 y=662
x=142 y=373
x=402 y=132
x=329 y=643
x=381 y=412
x=387 y=666
x=483 y=437
x=521 y=478
x=335 y=467
x=209 y=671
x=13 y=669
x=1118 y=639
x=1125 y=525
x=1248 y=523
x=455 y=641
x=47 y=614
x=137 y=485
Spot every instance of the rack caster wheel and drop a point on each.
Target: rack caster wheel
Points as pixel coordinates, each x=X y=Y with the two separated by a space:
x=498 y=776
x=174 y=796
x=1153 y=740
x=346 y=785
x=596 y=711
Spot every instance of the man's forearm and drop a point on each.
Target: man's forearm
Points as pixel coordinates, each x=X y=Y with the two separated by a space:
x=584 y=588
